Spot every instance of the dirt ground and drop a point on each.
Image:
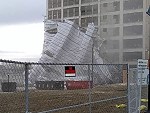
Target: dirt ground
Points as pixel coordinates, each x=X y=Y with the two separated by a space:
x=43 y=100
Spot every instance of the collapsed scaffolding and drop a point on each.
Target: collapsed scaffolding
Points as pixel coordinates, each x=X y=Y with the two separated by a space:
x=64 y=42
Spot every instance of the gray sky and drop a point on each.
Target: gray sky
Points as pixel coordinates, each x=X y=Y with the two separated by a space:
x=21 y=11
x=21 y=28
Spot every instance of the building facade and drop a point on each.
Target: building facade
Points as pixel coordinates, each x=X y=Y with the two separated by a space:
x=122 y=23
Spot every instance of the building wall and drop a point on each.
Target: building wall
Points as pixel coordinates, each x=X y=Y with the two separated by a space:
x=123 y=23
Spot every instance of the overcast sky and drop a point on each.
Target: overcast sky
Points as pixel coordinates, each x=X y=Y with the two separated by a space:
x=21 y=11
x=21 y=28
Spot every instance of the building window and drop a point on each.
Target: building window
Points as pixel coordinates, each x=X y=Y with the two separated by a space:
x=85 y=21
x=95 y=9
x=71 y=12
x=50 y=15
x=75 y=20
x=113 y=44
x=50 y=4
x=133 y=17
x=116 y=5
x=95 y=20
x=85 y=1
x=71 y=2
x=65 y=12
x=132 y=4
x=55 y=14
x=105 y=4
x=133 y=30
x=59 y=14
x=113 y=57
x=83 y=10
x=65 y=2
x=132 y=56
x=105 y=17
x=116 y=18
x=88 y=10
x=104 y=29
x=76 y=1
x=54 y=3
x=76 y=11
x=59 y=3
x=116 y=31
x=132 y=43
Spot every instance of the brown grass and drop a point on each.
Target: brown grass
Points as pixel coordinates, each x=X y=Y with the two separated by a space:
x=43 y=100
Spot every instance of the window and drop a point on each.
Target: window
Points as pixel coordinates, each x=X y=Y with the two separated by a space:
x=95 y=20
x=59 y=3
x=77 y=21
x=116 y=18
x=104 y=29
x=132 y=43
x=76 y=1
x=116 y=31
x=95 y=9
x=55 y=14
x=59 y=14
x=83 y=10
x=54 y=3
x=133 y=30
x=50 y=15
x=113 y=44
x=133 y=17
x=116 y=5
x=85 y=1
x=71 y=2
x=132 y=56
x=114 y=57
x=65 y=12
x=105 y=17
x=71 y=12
x=132 y=4
x=76 y=11
x=50 y=3
x=105 y=5
x=88 y=10
x=65 y=2
x=83 y=22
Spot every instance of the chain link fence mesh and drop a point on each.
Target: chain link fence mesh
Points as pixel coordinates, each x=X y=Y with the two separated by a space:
x=137 y=93
x=47 y=88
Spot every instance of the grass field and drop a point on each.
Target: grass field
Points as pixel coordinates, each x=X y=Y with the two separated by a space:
x=43 y=100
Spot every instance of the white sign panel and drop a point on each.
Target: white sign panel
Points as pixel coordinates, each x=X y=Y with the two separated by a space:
x=143 y=72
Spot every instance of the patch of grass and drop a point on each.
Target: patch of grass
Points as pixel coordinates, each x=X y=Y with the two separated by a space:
x=43 y=100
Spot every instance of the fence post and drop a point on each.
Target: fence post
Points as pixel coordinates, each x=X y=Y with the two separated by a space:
x=26 y=89
x=128 y=89
x=90 y=99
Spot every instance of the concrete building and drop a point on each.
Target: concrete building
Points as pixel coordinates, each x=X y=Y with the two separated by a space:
x=122 y=23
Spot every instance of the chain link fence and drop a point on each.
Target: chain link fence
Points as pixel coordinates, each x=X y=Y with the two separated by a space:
x=62 y=88
x=137 y=93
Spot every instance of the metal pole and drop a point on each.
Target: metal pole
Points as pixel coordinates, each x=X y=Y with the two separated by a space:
x=26 y=89
x=149 y=88
x=92 y=59
x=8 y=83
x=90 y=98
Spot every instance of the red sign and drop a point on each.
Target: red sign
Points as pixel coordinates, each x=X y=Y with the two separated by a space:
x=70 y=71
